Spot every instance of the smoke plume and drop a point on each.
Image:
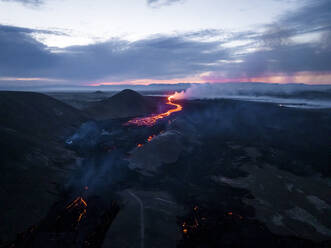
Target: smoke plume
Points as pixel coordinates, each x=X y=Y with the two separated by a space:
x=295 y=95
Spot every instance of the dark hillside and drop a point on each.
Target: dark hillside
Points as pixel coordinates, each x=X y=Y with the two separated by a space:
x=126 y=103
x=34 y=162
x=37 y=114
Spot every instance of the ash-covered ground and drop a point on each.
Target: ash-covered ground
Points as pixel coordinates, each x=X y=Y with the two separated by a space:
x=219 y=173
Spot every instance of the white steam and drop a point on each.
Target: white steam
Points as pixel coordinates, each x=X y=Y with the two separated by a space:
x=292 y=95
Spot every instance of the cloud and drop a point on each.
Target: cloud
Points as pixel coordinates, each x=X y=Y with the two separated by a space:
x=271 y=53
x=287 y=59
x=27 y=2
x=214 y=91
x=14 y=29
x=22 y=55
x=292 y=62
x=160 y=3
x=115 y=60
x=157 y=58
x=314 y=16
x=275 y=53
x=286 y=95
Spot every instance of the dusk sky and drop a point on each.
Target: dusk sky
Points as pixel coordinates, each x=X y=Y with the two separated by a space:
x=80 y=42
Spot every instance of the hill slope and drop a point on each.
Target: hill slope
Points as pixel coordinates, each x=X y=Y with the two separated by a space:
x=34 y=161
x=127 y=103
x=37 y=114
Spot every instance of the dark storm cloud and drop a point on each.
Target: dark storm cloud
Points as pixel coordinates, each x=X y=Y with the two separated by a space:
x=278 y=52
x=13 y=29
x=149 y=58
x=286 y=59
x=167 y=57
x=315 y=15
x=22 y=55
x=158 y=57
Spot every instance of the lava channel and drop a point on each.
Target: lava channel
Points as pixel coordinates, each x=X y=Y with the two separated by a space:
x=151 y=120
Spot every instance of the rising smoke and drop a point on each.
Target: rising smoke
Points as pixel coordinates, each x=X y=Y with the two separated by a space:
x=295 y=95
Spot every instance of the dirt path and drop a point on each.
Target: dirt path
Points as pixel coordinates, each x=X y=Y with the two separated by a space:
x=142 y=218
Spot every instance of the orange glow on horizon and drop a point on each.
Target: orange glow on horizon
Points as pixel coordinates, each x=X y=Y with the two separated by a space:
x=303 y=77
x=151 y=81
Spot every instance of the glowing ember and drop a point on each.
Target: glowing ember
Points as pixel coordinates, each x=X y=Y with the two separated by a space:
x=81 y=215
x=78 y=201
x=151 y=120
x=235 y=215
x=78 y=204
x=150 y=138
x=139 y=145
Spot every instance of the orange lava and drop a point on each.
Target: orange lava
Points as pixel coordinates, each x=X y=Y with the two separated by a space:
x=235 y=215
x=78 y=201
x=81 y=215
x=80 y=204
x=151 y=120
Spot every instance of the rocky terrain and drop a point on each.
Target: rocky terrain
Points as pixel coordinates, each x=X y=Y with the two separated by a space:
x=34 y=161
x=219 y=173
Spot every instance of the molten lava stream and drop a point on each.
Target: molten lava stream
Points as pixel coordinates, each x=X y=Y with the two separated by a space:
x=151 y=120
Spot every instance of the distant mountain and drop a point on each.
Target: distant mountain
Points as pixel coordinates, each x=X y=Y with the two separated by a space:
x=78 y=88
x=127 y=103
x=34 y=160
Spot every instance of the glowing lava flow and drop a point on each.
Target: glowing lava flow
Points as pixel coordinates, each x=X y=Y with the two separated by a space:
x=151 y=120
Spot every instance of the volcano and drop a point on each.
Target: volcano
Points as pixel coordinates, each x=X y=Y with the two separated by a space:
x=127 y=103
x=184 y=173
